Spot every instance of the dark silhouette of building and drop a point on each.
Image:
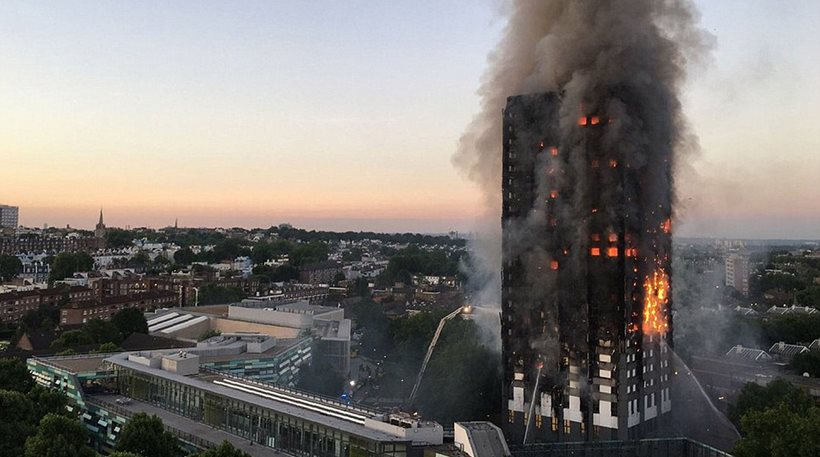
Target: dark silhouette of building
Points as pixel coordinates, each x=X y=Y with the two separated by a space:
x=585 y=287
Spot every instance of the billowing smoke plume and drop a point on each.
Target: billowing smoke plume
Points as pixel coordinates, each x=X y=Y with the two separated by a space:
x=620 y=59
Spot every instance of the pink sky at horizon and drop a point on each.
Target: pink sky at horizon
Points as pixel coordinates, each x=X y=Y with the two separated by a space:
x=257 y=116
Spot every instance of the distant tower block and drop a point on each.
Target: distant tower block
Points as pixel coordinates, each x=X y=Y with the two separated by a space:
x=585 y=281
x=9 y=217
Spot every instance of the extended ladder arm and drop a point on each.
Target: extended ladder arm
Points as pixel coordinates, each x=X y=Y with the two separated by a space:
x=430 y=351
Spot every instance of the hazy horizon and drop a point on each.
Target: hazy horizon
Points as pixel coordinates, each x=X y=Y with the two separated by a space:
x=255 y=116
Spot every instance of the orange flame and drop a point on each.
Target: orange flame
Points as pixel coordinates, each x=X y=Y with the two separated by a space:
x=655 y=303
x=666 y=226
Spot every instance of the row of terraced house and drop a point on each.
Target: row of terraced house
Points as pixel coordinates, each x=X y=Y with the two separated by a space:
x=78 y=304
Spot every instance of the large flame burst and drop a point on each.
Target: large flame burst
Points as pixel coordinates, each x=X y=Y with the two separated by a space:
x=656 y=303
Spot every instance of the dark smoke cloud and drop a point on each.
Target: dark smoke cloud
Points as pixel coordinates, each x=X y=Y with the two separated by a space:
x=626 y=59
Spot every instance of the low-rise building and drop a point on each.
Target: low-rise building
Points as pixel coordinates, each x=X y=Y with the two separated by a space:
x=14 y=305
x=319 y=272
x=78 y=312
x=794 y=309
x=326 y=326
x=785 y=352
x=748 y=354
x=51 y=244
x=204 y=407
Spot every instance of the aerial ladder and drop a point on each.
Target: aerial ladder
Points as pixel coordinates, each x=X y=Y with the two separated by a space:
x=465 y=310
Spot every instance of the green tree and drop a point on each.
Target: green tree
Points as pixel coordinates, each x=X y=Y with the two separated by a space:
x=302 y=254
x=415 y=260
x=59 y=436
x=807 y=362
x=10 y=266
x=412 y=334
x=404 y=277
x=124 y=454
x=284 y=273
x=261 y=253
x=109 y=347
x=780 y=432
x=14 y=375
x=225 y=449
x=361 y=288
x=128 y=321
x=17 y=422
x=462 y=381
x=66 y=264
x=184 y=256
x=102 y=331
x=792 y=328
x=47 y=401
x=44 y=317
x=160 y=264
x=228 y=249
x=118 y=238
x=146 y=435
x=352 y=255
x=211 y=294
x=139 y=261
x=72 y=338
x=758 y=398
x=375 y=327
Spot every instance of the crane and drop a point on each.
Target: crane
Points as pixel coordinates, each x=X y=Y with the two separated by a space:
x=466 y=309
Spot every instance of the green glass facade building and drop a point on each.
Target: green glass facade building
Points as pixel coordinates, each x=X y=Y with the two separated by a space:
x=273 y=418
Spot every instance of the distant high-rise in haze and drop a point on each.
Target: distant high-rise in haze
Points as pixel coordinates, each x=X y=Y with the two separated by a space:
x=737 y=271
x=585 y=288
x=9 y=216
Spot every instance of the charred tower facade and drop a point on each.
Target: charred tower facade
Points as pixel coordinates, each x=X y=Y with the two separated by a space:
x=586 y=317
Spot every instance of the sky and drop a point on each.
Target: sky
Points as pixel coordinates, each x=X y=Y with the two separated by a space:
x=344 y=115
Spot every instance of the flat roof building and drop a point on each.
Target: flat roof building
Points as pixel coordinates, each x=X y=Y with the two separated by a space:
x=282 y=320
x=9 y=216
x=110 y=388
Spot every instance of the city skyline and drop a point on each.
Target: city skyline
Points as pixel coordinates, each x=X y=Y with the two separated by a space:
x=158 y=113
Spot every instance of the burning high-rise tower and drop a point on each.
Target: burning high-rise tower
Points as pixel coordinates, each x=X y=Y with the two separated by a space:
x=585 y=287
x=587 y=190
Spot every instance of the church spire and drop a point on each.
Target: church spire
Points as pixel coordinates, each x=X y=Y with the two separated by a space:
x=100 y=232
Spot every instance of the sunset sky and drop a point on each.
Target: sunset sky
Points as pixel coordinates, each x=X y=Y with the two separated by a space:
x=344 y=115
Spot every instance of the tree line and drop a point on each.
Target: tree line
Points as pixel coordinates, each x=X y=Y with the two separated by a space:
x=778 y=420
